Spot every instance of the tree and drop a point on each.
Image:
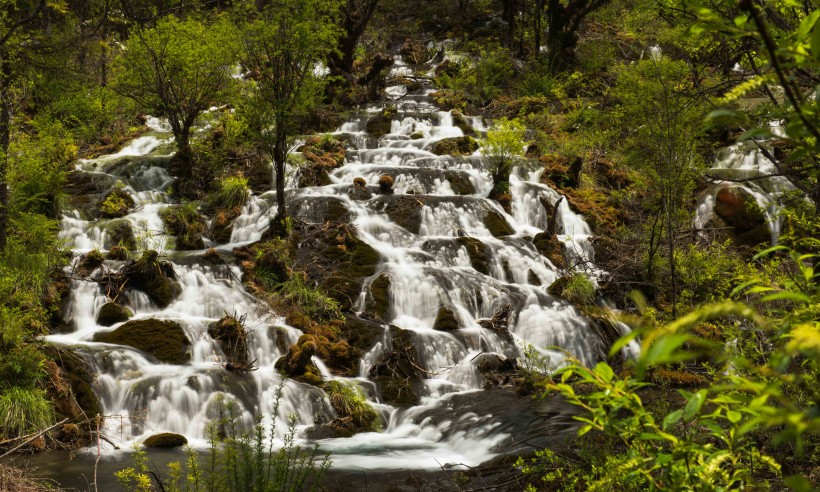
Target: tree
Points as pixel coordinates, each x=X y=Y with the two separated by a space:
x=564 y=18
x=356 y=14
x=661 y=102
x=17 y=16
x=177 y=70
x=504 y=142
x=284 y=42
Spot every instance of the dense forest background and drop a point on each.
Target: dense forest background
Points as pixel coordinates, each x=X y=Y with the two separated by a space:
x=623 y=103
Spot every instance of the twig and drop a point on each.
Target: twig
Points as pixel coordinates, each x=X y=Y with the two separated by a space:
x=35 y=436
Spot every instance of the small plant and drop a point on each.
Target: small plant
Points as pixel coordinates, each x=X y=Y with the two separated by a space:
x=233 y=192
x=311 y=301
x=349 y=402
x=579 y=290
x=24 y=410
x=113 y=206
x=185 y=224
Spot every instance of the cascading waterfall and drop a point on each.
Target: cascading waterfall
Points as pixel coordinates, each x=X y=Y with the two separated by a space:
x=427 y=270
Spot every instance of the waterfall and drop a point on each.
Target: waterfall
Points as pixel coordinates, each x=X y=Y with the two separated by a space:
x=428 y=269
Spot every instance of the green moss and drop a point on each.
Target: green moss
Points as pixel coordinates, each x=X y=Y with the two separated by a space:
x=349 y=402
x=379 y=301
x=461 y=122
x=112 y=313
x=151 y=276
x=459 y=182
x=119 y=233
x=186 y=225
x=165 y=340
x=116 y=203
x=455 y=146
x=89 y=262
x=165 y=440
x=232 y=337
x=576 y=288
x=497 y=224
x=379 y=125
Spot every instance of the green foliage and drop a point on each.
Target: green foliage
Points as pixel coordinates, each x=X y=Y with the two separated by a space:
x=482 y=78
x=311 y=301
x=233 y=192
x=579 y=290
x=725 y=434
x=238 y=461
x=707 y=273
x=504 y=142
x=177 y=69
x=349 y=401
x=23 y=411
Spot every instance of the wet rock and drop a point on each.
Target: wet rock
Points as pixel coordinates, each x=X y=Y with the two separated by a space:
x=297 y=362
x=416 y=136
x=166 y=440
x=213 y=257
x=232 y=337
x=499 y=323
x=386 y=184
x=460 y=183
x=461 y=122
x=492 y=365
x=361 y=333
x=378 y=304
x=186 y=225
x=533 y=279
x=88 y=263
x=414 y=51
x=455 y=146
x=154 y=277
x=477 y=251
x=222 y=225
x=119 y=233
x=360 y=191
x=738 y=209
x=379 y=125
x=548 y=245
x=82 y=190
x=497 y=224
x=317 y=209
x=403 y=210
x=163 y=339
x=446 y=320
x=112 y=313
x=397 y=371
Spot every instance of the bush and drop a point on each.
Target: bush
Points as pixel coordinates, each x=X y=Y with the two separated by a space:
x=349 y=401
x=23 y=411
x=233 y=192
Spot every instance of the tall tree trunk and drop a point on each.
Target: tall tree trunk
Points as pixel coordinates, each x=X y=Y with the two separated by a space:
x=510 y=10
x=671 y=243
x=5 y=139
x=355 y=16
x=280 y=155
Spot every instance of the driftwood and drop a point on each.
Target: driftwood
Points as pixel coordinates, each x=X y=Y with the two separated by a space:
x=499 y=323
x=33 y=437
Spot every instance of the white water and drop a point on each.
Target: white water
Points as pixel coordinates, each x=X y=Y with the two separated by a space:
x=427 y=271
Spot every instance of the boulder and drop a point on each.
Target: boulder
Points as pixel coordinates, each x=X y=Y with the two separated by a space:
x=116 y=203
x=379 y=125
x=166 y=440
x=163 y=339
x=89 y=262
x=378 y=302
x=455 y=146
x=186 y=225
x=477 y=251
x=446 y=320
x=232 y=337
x=112 y=313
x=154 y=277
x=397 y=371
x=119 y=233
x=497 y=224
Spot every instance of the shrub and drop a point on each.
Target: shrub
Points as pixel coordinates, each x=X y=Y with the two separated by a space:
x=233 y=192
x=24 y=410
x=311 y=301
x=349 y=401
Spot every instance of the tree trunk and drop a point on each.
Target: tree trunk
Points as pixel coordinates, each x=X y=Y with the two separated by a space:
x=5 y=139
x=355 y=16
x=508 y=15
x=280 y=155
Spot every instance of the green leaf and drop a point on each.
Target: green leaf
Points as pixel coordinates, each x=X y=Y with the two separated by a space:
x=605 y=372
x=733 y=416
x=788 y=296
x=815 y=43
x=694 y=404
x=807 y=25
x=798 y=483
x=761 y=133
x=769 y=251
x=623 y=342
x=725 y=116
x=672 y=419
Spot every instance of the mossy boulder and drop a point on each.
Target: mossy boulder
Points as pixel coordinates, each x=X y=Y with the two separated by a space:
x=119 y=233
x=738 y=209
x=459 y=182
x=360 y=191
x=379 y=125
x=232 y=337
x=272 y=257
x=497 y=224
x=112 y=313
x=117 y=253
x=448 y=99
x=548 y=245
x=455 y=146
x=386 y=184
x=186 y=225
x=446 y=320
x=321 y=154
x=461 y=122
x=163 y=339
x=222 y=225
x=166 y=440
x=116 y=203
x=297 y=362
x=154 y=277
x=477 y=251
x=361 y=333
x=378 y=302
x=213 y=257
x=404 y=210
x=398 y=371
x=89 y=262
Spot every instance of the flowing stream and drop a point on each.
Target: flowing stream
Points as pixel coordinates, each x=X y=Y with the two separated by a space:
x=456 y=421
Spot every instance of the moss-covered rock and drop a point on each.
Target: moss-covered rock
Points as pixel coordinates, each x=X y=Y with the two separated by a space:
x=459 y=182
x=739 y=210
x=322 y=154
x=154 y=277
x=455 y=146
x=115 y=203
x=213 y=257
x=186 y=225
x=379 y=125
x=548 y=245
x=461 y=122
x=89 y=262
x=163 y=339
x=378 y=302
x=166 y=440
x=386 y=184
x=448 y=99
x=297 y=362
x=477 y=251
x=398 y=371
x=119 y=233
x=360 y=191
x=232 y=337
x=112 y=313
x=117 y=253
x=497 y=224
x=446 y=320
